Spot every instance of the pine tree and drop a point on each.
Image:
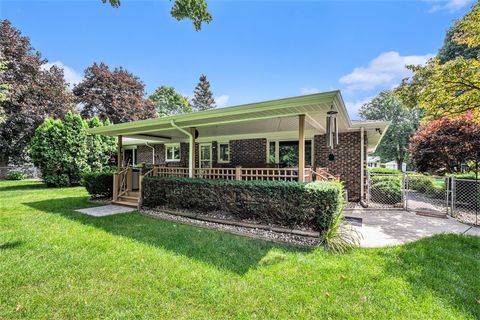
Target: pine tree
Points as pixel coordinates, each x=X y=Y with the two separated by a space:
x=203 y=96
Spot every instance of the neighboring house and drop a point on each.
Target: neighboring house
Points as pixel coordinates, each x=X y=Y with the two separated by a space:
x=373 y=162
x=393 y=165
x=271 y=140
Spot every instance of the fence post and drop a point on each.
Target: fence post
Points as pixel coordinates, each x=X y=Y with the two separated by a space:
x=238 y=173
x=453 y=196
x=115 y=187
x=368 y=188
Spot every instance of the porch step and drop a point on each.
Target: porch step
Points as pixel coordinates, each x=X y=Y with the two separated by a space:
x=135 y=194
x=129 y=198
x=126 y=203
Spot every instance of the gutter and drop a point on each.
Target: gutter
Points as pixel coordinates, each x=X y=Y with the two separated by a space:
x=153 y=151
x=191 y=146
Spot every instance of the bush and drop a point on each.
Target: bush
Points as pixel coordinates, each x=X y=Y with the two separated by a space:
x=418 y=183
x=99 y=184
x=64 y=151
x=386 y=189
x=383 y=171
x=289 y=204
x=15 y=175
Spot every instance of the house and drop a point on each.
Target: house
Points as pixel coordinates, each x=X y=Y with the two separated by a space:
x=393 y=165
x=300 y=138
x=373 y=162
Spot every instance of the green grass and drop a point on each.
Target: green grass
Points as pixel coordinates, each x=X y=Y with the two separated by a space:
x=56 y=263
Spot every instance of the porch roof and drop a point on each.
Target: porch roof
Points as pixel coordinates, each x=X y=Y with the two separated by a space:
x=269 y=119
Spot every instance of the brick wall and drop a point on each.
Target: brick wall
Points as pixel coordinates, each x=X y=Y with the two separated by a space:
x=346 y=163
x=248 y=152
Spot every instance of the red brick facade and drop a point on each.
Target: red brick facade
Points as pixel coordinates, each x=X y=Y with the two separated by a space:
x=346 y=160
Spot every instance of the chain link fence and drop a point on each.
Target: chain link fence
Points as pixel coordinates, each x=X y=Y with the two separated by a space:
x=459 y=198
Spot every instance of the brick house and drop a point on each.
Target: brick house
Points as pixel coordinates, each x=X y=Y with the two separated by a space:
x=272 y=140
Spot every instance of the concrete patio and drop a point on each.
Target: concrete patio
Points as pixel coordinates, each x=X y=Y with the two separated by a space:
x=381 y=228
x=107 y=210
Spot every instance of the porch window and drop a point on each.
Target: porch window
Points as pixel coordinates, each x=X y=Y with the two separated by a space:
x=172 y=152
x=223 y=152
x=285 y=153
x=130 y=156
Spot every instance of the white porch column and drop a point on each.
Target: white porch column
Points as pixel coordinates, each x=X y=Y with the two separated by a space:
x=362 y=163
x=301 y=148
x=191 y=154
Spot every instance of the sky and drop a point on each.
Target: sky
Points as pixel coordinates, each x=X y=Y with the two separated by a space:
x=252 y=51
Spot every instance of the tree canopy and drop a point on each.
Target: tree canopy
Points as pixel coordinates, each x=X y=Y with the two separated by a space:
x=446 y=143
x=33 y=93
x=449 y=83
x=202 y=95
x=404 y=121
x=117 y=95
x=64 y=151
x=168 y=102
x=194 y=10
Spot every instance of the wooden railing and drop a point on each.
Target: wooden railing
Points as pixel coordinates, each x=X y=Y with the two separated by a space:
x=121 y=182
x=239 y=173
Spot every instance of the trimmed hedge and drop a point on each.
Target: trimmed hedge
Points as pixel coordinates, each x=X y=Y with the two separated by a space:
x=386 y=189
x=289 y=204
x=99 y=184
x=383 y=170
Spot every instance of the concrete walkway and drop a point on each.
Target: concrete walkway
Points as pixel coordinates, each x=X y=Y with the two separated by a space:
x=107 y=210
x=381 y=228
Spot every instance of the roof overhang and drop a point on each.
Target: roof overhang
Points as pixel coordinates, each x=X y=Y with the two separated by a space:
x=274 y=118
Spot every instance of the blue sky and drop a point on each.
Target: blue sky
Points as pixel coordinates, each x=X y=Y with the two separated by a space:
x=252 y=51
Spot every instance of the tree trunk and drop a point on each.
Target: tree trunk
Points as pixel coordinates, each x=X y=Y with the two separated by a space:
x=399 y=164
x=3 y=160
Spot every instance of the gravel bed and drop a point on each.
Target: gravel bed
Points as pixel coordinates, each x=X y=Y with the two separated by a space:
x=250 y=232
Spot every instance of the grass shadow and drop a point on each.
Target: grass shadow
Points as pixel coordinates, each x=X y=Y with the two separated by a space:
x=10 y=245
x=223 y=250
x=20 y=187
x=447 y=265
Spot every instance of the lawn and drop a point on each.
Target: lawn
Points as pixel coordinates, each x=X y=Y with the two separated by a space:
x=59 y=264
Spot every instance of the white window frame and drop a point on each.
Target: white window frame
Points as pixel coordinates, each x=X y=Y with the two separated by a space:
x=218 y=151
x=277 y=149
x=170 y=145
x=134 y=154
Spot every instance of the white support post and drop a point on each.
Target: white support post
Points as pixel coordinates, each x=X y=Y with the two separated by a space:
x=362 y=163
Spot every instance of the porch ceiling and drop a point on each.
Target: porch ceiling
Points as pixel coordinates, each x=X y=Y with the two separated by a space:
x=278 y=118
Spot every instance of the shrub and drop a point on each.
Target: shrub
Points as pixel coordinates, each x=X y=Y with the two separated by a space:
x=15 y=175
x=99 y=184
x=418 y=183
x=386 y=189
x=64 y=152
x=383 y=170
x=289 y=204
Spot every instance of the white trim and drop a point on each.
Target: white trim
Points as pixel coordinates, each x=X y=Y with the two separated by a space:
x=200 y=154
x=167 y=145
x=218 y=151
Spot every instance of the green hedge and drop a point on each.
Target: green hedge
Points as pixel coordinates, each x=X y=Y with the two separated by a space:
x=383 y=170
x=289 y=204
x=99 y=184
x=386 y=189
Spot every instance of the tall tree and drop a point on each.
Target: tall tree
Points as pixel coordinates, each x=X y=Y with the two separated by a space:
x=452 y=49
x=448 y=87
x=168 y=102
x=446 y=143
x=203 y=96
x=4 y=90
x=34 y=93
x=195 y=10
x=117 y=95
x=404 y=121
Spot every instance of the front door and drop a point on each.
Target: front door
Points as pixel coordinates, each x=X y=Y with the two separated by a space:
x=205 y=155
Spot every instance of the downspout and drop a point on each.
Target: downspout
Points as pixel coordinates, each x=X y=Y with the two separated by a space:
x=153 y=151
x=191 y=146
x=362 y=163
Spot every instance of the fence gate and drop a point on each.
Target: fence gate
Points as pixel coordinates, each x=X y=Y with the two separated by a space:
x=459 y=198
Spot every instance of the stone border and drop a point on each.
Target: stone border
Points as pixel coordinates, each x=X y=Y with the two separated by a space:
x=282 y=236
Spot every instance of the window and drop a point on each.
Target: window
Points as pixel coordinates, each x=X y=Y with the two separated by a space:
x=223 y=152
x=172 y=152
x=285 y=153
x=130 y=157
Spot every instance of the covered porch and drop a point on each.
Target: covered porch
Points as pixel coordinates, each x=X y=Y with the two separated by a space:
x=306 y=138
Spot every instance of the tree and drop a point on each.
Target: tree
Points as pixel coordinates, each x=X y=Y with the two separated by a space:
x=4 y=90
x=203 y=96
x=168 y=102
x=446 y=143
x=195 y=10
x=404 y=121
x=452 y=49
x=117 y=95
x=448 y=87
x=34 y=93
x=64 y=151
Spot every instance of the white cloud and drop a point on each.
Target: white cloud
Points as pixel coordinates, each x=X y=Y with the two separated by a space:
x=354 y=106
x=71 y=76
x=222 y=101
x=448 y=5
x=308 y=90
x=386 y=71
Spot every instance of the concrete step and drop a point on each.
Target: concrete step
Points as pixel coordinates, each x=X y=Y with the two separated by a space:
x=126 y=204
